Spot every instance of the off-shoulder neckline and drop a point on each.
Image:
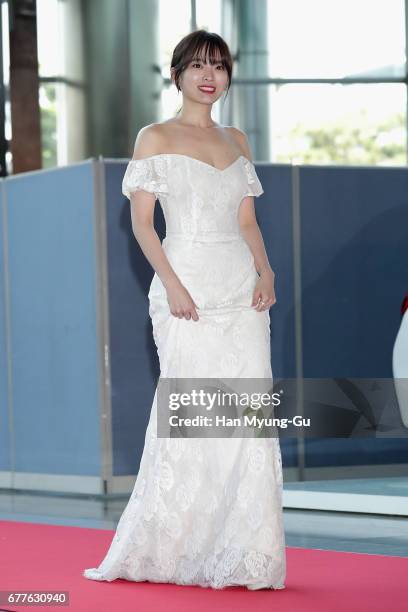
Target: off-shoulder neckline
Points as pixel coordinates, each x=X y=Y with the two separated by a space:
x=221 y=170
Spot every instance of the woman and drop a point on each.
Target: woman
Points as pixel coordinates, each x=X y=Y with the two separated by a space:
x=204 y=511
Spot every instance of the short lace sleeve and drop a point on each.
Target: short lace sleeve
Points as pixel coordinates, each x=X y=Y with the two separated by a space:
x=254 y=187
x=147 y=174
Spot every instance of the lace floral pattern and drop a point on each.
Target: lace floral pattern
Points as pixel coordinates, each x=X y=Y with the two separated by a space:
x=254 y=184
x=147 y=174
x=204 y=511
x=214 y=522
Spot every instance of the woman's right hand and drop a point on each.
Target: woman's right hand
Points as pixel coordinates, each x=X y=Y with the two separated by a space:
x=181 y=303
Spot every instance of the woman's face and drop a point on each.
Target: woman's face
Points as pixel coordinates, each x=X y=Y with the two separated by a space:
x=198 y=74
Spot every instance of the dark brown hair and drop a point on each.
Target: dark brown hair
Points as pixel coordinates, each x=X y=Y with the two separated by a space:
x=199 y=44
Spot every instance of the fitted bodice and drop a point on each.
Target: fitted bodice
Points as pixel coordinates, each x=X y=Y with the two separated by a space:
x=197 y=199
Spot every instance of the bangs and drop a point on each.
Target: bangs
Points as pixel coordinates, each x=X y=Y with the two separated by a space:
x=209 y=50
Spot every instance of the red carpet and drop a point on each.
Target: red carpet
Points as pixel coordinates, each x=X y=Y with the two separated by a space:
x=48 y=557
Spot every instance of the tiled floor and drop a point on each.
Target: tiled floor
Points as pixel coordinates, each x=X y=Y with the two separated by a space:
x=369 y=486
x=376 y=496
x=347 y=532
x=326 y=530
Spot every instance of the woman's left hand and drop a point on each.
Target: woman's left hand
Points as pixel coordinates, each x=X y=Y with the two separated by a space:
x=264 y=292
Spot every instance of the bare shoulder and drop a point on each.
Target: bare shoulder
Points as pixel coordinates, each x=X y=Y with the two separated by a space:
x=241 y=140
x=149 y=141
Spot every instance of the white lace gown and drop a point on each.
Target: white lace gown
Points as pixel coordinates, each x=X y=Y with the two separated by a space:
x=203 y=511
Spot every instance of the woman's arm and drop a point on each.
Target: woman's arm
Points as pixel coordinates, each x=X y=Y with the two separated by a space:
x=181 y=304
x=142 y=211
x=249 y=228
x=253 y=237
x=264 y=293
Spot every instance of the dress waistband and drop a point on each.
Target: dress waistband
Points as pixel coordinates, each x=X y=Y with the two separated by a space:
x=204 y=236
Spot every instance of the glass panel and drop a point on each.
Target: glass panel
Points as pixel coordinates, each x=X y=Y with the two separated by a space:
x=339 y=124
x=174 y=23
x=171 y=30
x=48 y=38
x=336 y=39
x=48 y=110
x=209 y=15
